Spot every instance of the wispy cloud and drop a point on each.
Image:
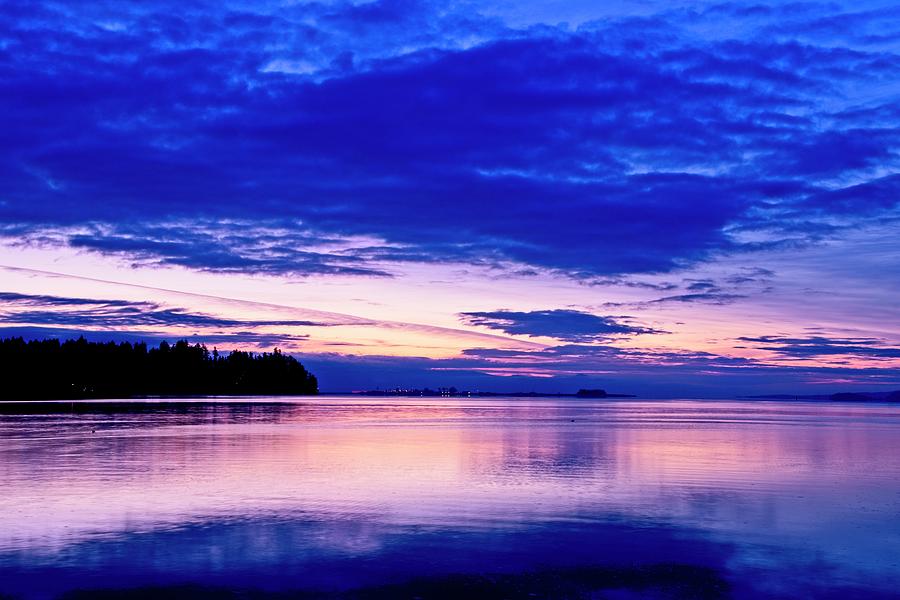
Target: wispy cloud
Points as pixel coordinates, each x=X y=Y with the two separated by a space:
x=705 y=297
x=822 y=346
x=91 y=313
x=228 y=341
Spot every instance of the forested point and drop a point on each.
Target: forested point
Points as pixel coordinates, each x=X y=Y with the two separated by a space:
x=50 y=369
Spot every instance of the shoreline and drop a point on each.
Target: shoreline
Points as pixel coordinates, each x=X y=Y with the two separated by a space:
x=326 y=398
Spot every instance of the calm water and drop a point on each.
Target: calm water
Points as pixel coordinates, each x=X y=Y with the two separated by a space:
x=411 y=498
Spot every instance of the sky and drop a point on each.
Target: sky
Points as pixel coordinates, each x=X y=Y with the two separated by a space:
x=646 y=197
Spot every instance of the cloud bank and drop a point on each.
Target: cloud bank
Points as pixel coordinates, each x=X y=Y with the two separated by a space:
x=341 y=139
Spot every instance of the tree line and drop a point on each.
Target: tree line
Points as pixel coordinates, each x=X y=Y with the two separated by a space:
x=50 y=369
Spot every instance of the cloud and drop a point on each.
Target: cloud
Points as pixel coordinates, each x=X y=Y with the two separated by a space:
x=813 y=347
x=696 y=285
x=566 y=325
x=45 y=300
x=704 y=294
x=704 y=297
x=109 y=314
x=869 y=26
x=260 y=248
x=750 y=275
x=583 y=359
x=627 y=282
x=91 y=313
x=239 y=141
x=231 y=340
x=660 y=373
x=718 y=290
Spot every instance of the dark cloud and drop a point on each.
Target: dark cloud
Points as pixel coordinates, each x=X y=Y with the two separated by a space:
x=231 y=249
x=566 y=325
x=231 y=340
x=593 y=359
x=869 y=26
x=697 y=285
x=330 y=139
x=821 y=346
x=750 y=275
x=703 y=297
x=43 y=300
x=703 y=292
x=82 y=312
x=663 y=286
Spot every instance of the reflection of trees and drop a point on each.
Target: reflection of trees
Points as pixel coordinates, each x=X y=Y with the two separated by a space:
x=82 y=369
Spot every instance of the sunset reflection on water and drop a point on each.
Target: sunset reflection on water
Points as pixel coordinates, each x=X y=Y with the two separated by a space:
x=339 y=493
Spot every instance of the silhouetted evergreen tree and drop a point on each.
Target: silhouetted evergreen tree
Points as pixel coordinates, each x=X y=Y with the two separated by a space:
x=80 y=369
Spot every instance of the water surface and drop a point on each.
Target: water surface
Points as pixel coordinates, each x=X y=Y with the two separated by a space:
x=406 y=497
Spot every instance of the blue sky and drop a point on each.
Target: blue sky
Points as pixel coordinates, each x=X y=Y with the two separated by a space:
x=705 y=195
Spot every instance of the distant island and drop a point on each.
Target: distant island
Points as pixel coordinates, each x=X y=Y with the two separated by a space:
x=838 y=397
x=452 y=392
x=79 y=369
